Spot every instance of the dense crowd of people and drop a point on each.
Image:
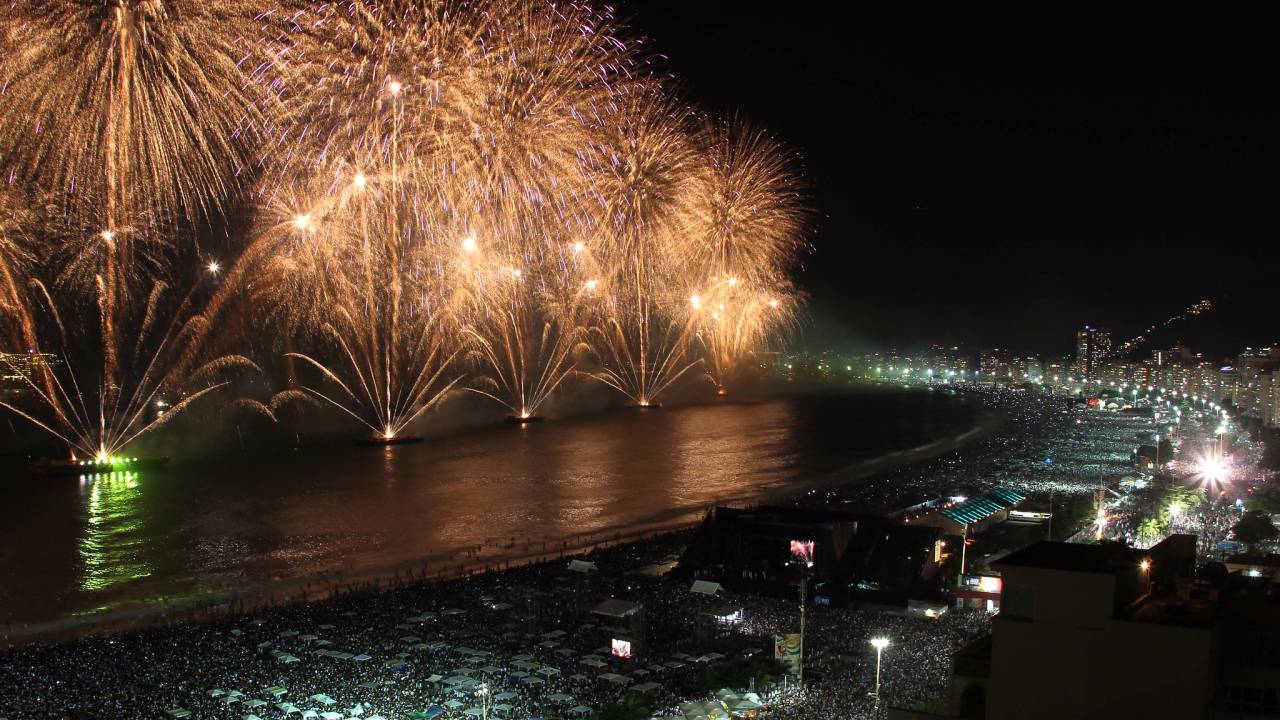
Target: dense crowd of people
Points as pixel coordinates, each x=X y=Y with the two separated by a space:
x=1046 y=444
x=518 y=643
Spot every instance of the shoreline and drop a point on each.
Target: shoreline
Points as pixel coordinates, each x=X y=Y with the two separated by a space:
x=461 y=562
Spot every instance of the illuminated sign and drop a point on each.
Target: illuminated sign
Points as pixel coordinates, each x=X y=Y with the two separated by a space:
x=621 y=648
x=802 y=551
x=981 y=583
x=786 y=650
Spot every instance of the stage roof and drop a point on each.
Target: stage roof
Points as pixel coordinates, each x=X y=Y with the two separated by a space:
x=982 y=507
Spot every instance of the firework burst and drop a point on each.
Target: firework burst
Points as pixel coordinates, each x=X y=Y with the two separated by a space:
x=359 y=272
x=492 y=185
x=128 y=107
x=748 y=223
x=643 y=173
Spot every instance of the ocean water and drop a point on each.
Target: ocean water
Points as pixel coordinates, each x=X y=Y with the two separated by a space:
x=79 y=546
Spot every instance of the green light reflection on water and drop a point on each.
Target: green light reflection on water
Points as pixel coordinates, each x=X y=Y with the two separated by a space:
x=112 y=547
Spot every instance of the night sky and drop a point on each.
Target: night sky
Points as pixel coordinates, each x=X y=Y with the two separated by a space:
x=991 y=187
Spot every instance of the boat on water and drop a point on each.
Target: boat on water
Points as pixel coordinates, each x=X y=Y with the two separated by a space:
x=382 y=441
x=65 y=467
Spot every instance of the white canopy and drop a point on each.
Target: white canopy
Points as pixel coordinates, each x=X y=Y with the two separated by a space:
x=705 y=587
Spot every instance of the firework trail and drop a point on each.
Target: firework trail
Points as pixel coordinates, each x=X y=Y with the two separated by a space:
x=733 y=320
x=17 y=252
x=524 y=325
x=358 y=272
x=88 y=400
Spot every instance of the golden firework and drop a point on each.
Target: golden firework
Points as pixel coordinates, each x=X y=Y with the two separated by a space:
x=495 y=186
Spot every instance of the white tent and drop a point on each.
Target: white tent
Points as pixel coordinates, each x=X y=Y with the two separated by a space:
x=705 y=587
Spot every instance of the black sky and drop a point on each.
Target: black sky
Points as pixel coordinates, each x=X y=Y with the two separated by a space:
x=993 y=185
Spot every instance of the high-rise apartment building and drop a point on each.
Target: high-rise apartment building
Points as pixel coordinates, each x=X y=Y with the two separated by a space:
x=1093 y=345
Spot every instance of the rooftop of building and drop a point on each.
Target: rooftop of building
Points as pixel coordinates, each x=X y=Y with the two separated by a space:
x=1175 y=551
x=1173 y=608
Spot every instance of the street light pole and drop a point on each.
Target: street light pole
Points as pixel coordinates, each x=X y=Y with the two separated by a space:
x=804 y=582
x=879 y=644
